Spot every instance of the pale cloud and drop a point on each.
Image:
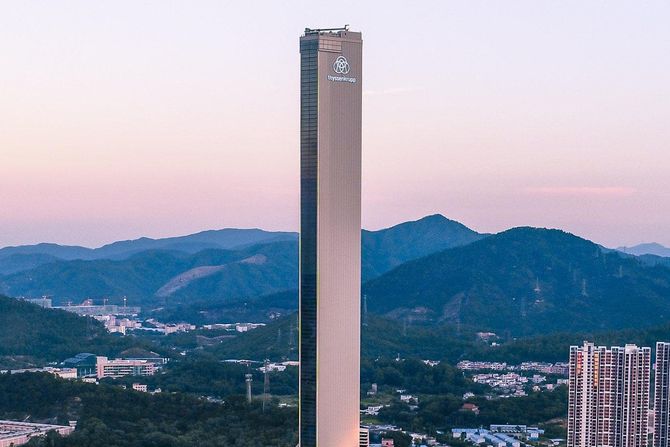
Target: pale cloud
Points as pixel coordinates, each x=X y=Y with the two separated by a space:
x=583 y=191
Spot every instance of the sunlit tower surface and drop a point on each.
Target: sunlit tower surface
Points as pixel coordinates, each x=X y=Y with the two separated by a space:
x=330 y=237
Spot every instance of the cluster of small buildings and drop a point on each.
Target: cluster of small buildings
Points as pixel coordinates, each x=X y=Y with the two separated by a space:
x=87 y=308
x=91 y=367
x=510 y=384
x=13 y=433
x=63 y=373
x=94 y=366
x=380 y=432
x=498 y=435
x=482 y=436
x=236 y=327
x=166 y=328
x=116 y=325
x=278 y=367
x=560 y=369
x=116 y=319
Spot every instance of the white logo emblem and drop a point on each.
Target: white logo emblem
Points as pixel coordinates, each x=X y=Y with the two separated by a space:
x=341 y=65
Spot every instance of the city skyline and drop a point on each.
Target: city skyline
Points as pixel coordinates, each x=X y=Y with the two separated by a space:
x=527 y=113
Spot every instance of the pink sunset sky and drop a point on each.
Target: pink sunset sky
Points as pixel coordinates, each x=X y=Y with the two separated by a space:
x=158 y=118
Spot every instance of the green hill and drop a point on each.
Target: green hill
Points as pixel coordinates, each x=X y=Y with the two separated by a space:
x=31 y=335
x=385 y=249
x=140 y=277
x=525 y=281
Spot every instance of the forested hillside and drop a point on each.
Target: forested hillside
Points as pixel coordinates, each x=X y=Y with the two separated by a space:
x=526 y=281
x=31 y=335
x=109 y=415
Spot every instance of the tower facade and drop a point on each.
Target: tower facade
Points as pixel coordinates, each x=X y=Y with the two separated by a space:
x=330 y=237
x=662 y=396
x=608 y=399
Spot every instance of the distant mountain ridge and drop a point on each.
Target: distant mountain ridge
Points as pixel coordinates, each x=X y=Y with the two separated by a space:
x=651 y=248
x=227 y=238
x=412 y=240
x=167 y=274
x=24 y=257
x=141 y=276
x=432 y=272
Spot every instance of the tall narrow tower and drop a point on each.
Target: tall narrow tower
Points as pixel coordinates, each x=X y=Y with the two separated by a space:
x=248 y=378
x=330 y=237
x=662 y=396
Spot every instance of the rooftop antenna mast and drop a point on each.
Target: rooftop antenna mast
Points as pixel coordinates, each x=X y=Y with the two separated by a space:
x=324 y=30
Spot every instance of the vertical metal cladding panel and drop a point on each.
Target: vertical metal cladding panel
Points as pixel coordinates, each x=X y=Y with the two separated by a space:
x=339 y=249
x=308 y=219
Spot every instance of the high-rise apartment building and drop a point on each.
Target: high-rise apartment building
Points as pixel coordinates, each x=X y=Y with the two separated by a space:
x=662 y=396
x=330 y=237
x=608 y=399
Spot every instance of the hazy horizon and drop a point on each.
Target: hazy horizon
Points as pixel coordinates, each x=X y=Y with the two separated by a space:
x=99 y=245
x=123 y=120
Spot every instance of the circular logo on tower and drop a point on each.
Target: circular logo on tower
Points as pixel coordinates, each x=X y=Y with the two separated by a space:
x=341 y=65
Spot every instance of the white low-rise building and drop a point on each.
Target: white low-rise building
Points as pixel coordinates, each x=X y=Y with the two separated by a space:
x=13 y=433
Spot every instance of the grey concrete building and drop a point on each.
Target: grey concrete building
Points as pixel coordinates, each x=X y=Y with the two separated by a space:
x=330 y=237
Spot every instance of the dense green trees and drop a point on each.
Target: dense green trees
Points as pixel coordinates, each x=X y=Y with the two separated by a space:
x=125 y=418
x=207 y=377
x=40 y=335
x=445 y=411
x=414 y=375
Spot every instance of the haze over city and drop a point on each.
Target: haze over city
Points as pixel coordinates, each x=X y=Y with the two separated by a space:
x=155 y=119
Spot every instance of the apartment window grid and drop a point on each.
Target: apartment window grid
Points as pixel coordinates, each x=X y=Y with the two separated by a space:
x=661 y=396
x=608 y=396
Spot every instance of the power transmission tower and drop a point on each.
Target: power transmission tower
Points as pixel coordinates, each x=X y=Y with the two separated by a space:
x=365 y=310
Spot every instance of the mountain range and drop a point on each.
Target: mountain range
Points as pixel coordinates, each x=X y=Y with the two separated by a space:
x=651 y=248
x=525 y=281
x=433 y=271
x=255 y=264
x=25 y=257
